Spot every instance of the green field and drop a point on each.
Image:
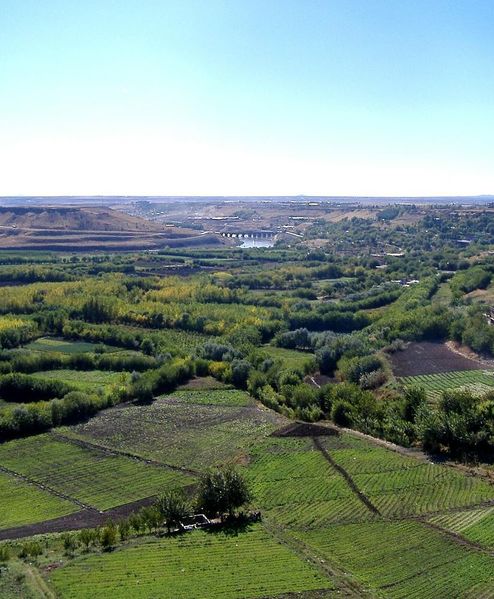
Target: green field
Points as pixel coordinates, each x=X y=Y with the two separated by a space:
x=196 y=566
x=291 y=358
x=476 y=381
x=97 y=479
x=476 y=525
x=295 y=486
x=214 y=397
x=405 y=560
x=184 y=428
x=54 y=344
x=23 y=503
x=400 y=486
x=85 y=380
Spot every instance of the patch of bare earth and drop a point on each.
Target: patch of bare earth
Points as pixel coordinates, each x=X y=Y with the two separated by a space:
x=430 y=358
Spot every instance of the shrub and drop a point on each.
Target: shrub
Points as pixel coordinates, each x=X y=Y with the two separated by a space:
x=342 y=413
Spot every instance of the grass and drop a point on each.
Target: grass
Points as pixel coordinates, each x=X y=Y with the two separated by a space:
x=55 y=344
x=178 y=430
x=87 y=380
x=199 y=565
x=214 y=397
x=404 y=560
x=291 y=358
x=100 y=480
x=23 y=503
x=476 y=381
x=443 y=295
x=476 y=525
x=19 y=581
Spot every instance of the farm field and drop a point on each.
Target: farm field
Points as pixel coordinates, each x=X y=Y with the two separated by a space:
x=214 y=397
x=404 y=560
x=401 y=486
x=476 y=525
x=296 y=487
x=291 y=358
x=23 y=503
x=476 y=381
x=299 y=488
x=429 y=358
x=95 y=478
x=200 y=565
x=193 y=429
x=90 y=380
x=54 y=344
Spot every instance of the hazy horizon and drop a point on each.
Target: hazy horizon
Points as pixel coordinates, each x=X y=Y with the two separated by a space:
x=357 y=98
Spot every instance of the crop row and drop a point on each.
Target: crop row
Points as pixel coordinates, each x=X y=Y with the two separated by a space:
x=476 y=525
x=403 y=559
x=91 y=476
x=23 y=503
x=478 y=381
x=201 y=565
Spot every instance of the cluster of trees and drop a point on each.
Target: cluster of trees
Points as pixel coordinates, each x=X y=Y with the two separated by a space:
x=462 y=424
x=29 y=362
x=54 y=403
x=477 y=277
x=40 y=416
x=23 y=388
x=15 y=332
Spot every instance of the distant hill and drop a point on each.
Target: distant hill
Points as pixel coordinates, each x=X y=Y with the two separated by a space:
x=69 y=228
x=73 y=218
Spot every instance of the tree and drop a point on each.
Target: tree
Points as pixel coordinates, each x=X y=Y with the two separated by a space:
x=87 y=536
x=108 y=537
x=223 y=491
x=173 y=507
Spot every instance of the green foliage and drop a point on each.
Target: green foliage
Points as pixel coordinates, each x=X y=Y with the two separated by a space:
x=173 y=507
x=223 y=491
x=198 y=565
x=108 y=536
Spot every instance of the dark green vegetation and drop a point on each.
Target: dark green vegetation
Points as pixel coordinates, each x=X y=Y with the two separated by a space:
x=120 y=383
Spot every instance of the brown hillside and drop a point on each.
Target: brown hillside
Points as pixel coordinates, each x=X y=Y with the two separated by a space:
x=71 y=218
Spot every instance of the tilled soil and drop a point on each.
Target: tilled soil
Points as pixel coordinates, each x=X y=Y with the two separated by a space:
x=429 y=358
x=76 y=521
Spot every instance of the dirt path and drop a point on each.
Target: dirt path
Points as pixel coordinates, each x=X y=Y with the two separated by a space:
x=118 y=452
x=50 y=490
x=351 y=483
x=86 y=518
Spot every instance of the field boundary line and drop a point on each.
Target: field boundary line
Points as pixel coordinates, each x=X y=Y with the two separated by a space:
x=457 y=538
x=344 y=583
x=121 y=453
x=349 y=480
x=48 y=489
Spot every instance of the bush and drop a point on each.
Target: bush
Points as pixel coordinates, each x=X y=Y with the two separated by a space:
x=4 y=553
x=342 y=413
x=108 y=537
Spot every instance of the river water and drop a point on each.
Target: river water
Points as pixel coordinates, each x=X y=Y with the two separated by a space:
x=257 y=243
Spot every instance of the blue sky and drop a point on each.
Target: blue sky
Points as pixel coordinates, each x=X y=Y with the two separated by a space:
x=352 y=97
